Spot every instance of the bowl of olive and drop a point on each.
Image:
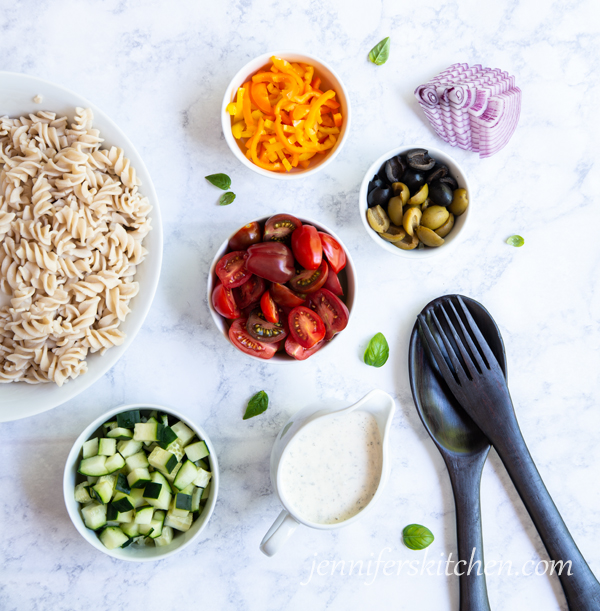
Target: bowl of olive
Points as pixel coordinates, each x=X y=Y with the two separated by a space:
x=414 y=202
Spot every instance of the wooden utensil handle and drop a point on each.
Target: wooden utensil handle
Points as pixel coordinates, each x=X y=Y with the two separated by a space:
x=581 y=587
x=466 y=478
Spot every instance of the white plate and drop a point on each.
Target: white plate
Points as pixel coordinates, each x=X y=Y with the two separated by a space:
x=19 y=399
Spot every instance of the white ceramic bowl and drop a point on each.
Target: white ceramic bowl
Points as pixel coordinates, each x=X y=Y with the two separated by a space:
x=329 y=79
x=18 y=399
x=136 y=553
x=451 y=240
x=348 y=283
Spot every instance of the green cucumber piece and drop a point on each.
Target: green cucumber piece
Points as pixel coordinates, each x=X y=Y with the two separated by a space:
x=147 y=431
x=114 y=463
x=183 y=501
x=120 y=433
x=137 y=461
x=94 y=515
x=127 y=420
x=113 y=537
x=202 y=478
x=107 y=446
x=82 y=494
x=162 y=460
x=196 y=451
x=144 y=515
x=152 y=490
x=166 y=436
x=90 y=448
x=165 y=538
x=184 y=432
x=138 y=478
x=128 y=447
x=122 y=485
x=187 y=474
x=94 y=466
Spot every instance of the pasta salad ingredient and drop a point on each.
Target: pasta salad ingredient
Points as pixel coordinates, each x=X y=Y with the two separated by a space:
x=72 y=223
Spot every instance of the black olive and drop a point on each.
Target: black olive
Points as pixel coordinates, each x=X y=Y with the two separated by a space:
x=382 y=175
x=439 y=171
x=393 y=169
x=419 y=160
x=376 y=182
x=379 y=196
x=413 y=179
x=449 y=180
x=440 y=194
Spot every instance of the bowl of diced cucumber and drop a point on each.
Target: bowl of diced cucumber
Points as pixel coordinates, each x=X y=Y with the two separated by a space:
x=141 y=482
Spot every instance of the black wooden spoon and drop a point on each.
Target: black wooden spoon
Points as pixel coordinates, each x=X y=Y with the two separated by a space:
x=464 y=449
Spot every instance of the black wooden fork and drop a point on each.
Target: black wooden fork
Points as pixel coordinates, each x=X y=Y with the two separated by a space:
x=474 y=377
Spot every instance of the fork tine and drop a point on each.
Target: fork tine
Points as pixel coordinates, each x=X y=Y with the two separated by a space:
x=438 y=357
x=489 y=356
x=468 y=357
x=458 y=366
x=481 y=364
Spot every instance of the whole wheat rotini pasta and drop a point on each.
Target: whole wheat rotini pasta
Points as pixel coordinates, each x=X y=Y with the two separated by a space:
x=72 y=223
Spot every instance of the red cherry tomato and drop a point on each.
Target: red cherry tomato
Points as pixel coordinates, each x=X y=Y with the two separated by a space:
x=271 y=260
x=232 y=270
x=264 y=331
x=332 y=311
x=249 y=292
x=307 y=247
x=279 y=227
x=333 y=251
x=306 y=327
x=269 y=307
x=249 y=234
x=310 y=280
x=243 y=341
x=294 y=349
x=332 y=283
x=224 y=303
x=285 y=297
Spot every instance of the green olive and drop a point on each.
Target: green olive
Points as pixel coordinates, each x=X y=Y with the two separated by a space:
x=429 y=237
x=411 y=220
x=399 y=188
x=378 y=219
x=421 y=196
x=408 y=243
x=460 y=201
x=446 y=228
x=434 y=217
x=395 y=209
x=426 y=204
x=393 y=234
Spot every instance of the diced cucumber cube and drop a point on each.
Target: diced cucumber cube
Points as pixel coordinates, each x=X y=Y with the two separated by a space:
x=188 y=489
x=103 y=489
x=90 y=448
x=183 y=501
x=107 y=446
x=113 y=537
x=176 y=447
x=114 y=463
x=202 y=464
x=157 y=524
x=179 y=523
x=144 y=515
x=129 y=447
x=196 y=496
x=82 y=494
x=152 y=490
x=114 y=515
x=122 y=485
x=184 y=432
x=178 y=513
x=167 y=436
x=171 y=476
x=131 y=529
x=146 y=431
x=138 y=478
x=146 y=529
x=162 y=460
x=122 y=503
x=206 y=492
x=137 y=461
x=120 y=433
x=110 y=425
x=187 y=474
x=137 y=497
x=196 y=451
x=94 y=466
x=128 y=420
x=94 y=515
x=164 y=499
x=165 y=538
x=202 y=478
x=92 y=480
x=164 y=419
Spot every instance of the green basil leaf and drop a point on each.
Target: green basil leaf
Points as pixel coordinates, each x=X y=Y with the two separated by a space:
x=226 y=198
x=417 y=537
x=380 y=53
x=377 y=351
x=257 y=404
x=515 y=240
x=219 y=180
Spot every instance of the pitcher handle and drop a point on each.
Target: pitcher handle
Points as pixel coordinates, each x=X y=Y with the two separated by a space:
x=278 y=534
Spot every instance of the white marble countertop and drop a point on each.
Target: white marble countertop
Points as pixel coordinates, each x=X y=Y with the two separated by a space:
x=159 y=70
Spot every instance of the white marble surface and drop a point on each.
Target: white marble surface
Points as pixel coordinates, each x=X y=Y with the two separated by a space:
x=159 y=69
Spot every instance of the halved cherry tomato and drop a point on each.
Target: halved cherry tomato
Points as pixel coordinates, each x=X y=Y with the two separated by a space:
x=232 y=270
x=307 y=246
x=333 y=283
x=285 y=297
x=306 y=326
x=271 y=260
x=310 y=280
x=269 y=307
x=333 y=251
x=332 y=311
x=249 y=234
x=224 y=303
x=249 y=292
x=293 y=348
x=263 y=330
x=243 y=341
x=280 y=227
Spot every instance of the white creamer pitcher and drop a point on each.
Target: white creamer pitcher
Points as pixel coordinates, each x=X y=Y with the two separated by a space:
x=377 y=403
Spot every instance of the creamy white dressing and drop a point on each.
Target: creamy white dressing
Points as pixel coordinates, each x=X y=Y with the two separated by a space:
x=331 y=469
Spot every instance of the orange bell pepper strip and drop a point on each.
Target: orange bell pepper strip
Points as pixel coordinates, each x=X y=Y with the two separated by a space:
x=260 y=129
x=270 y=77
x=315 y=105
x=286 y=68
x=260 y=97
x=247 y=106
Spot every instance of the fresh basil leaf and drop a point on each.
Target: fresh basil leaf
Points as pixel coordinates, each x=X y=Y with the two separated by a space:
x=380 y=53
x=417 y=537
x=226 y=198
x=257 y=404
x=515 y=240
x=219 y=180
x=377 y=351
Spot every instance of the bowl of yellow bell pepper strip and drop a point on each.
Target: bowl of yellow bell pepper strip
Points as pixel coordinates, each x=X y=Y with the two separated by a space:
x=285 y=115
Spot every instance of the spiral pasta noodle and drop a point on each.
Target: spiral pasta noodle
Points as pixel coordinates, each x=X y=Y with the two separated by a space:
x=72 y=224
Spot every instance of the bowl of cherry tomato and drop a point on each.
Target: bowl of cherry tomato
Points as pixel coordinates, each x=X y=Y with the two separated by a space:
x=281 y=288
